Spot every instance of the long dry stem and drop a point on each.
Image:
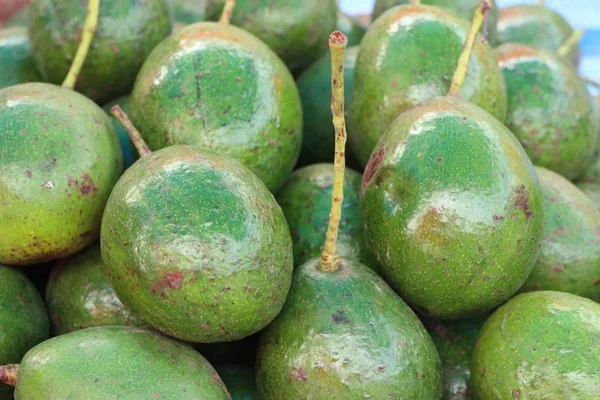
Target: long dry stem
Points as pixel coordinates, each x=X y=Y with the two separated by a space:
x=330 y=258
x=89 y=29
x=134 y=134
x=227 y=11
x=9 y=374
x=565 y=49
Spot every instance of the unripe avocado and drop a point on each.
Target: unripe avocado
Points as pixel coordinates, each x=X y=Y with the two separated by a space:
x=539 y=345
x=592 y=172
x=59 y=160
x=129 y=154
x=16 y=61
x=591 y=190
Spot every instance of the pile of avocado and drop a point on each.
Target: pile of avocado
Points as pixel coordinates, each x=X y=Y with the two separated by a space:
x=252 y=199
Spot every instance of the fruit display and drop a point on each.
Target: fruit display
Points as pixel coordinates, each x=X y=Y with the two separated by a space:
x=284 y=200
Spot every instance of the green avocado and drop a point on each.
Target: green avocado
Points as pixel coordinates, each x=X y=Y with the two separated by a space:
x=591 y=190
x=296 y=30
x=407 y=56
x=569 y=259
x=129 y=154
x=464 y=8
x=549 y=109
x=127 y=32
x=454 y=341
x=452 y=209
x=539 y=345
x=537 y=26
x=346 y=335
x=79 y=295
x=592 y=173
x=23 y=319
x=306 y=202
x=314 y=85
x=239 y=381
x=59 y=161
x=219 y=87
x=189 y=11
x=116 y=362
x=351 y=28
x=16 y=61
x=196 y=245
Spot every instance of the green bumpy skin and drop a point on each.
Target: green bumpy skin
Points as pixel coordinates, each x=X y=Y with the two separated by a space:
x=127 y=32
x=455 y=341
x=409 y=55
x=539 y=345
x=351 y=28
x=549 y=109
x=16 y=61
x=592 y=173
x=536 y=26
x=314 y=85
x=346 y=335
x=452 y=209
x=129 y=153
x=569 y=259
x=59 y=160
x=296 y=30
x=464 y=8
x=239 y=381
x=306 y=203
x=218 y=87
x=116 y=362
x=196 y=245
x=592 y=191
x=188 y=11
x=79 y=296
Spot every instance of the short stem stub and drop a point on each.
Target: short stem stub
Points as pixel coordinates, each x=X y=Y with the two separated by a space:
x=227 y=11
x=565 y=49
x=330 y=258
x=9 y=374
x=134 y=134
x=460 y=73
x=89 y=29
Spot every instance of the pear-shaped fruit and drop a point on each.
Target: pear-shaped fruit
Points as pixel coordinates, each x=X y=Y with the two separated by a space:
x=129 y=154
x=116 y=362
x=59 y=161
x=196 y=245
x=239 y=381
x=537 y=26
x=127 y=32
x=452 y=209
x=16 y=60
x=549 y=109
x=351 y=28
x=219 y=87
x=569 y=259
x=540 y=345
x=408 y=56
x=79 y=295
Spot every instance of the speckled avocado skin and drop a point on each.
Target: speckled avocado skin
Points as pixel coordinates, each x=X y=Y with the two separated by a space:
x=539 y=345
x=15 y=57
x=465 y=8
x=204 y=253
x=218 y=87
x=306 y=202
x=239 y=381
x=569 y=259
x=537 y=26
x=127 y=32
x=549 y=109
x=116 y=362
x=454 y=341
x=407 y=56
x=59 y=160
x=346 y=335
x=351 y=28
x=79 y=295
x=452 y=209
x=297 y=30
x=129 y=153
x=314 y=85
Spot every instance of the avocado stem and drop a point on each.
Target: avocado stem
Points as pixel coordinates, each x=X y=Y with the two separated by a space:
x=227 y=12
x=565 y=49
x=89 y=29
x=592 y=82
x=330 y=258
x=134 y=134
x=9 y=373
x=458 y=79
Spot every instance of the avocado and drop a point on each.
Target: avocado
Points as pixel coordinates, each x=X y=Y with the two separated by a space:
x=592 y=172
x=239 y=381
x=127 y=32
x=549 y=109
x=60 y=159
x=592 y=191
x=15 y=57
x=539 y=345
x=129 y=154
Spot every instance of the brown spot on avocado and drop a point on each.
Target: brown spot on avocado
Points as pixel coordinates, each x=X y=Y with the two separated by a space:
x=522 y=202
x=172 y=280
x=372 y=168
x=340 y=318
x=299 y=374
